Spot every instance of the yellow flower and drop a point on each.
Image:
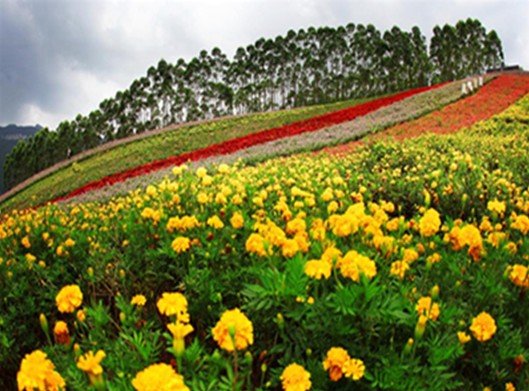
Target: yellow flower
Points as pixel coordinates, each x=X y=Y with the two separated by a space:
x=483 y=327
x=496 y=206
x=410 y=255
x=519 y=275
x=429 y=223
x=290 y=248
x=174 y=303
x=80 y=315
x=237 y=221
x=69 y=298
x=179 y=331
x=69 y=242
x=399 y=269
x=334 y=362
x=215 y=222
x=37 y=372
x=25 y=242
x=90 y=363
x=510 y=387
x=233 y=326
x=521 y=223
x=201 y=172
x=181 y=244
x=159 y=377
x=353 y=264
x=354 y=369
x=138 y=300
x=463 y=337
x=256 y=244
x=426 y=307
x=295 y=378
x=318 y=269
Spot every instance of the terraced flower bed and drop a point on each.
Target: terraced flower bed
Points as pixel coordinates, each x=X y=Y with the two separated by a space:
x=491 y=99
x=240 y=143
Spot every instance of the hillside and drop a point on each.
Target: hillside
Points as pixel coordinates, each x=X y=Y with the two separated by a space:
x=401 y=265
x=9 y=136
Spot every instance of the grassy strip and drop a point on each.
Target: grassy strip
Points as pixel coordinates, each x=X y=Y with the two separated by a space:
x=405 y=110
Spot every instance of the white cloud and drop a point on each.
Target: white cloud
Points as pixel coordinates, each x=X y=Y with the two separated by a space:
x=59 y=58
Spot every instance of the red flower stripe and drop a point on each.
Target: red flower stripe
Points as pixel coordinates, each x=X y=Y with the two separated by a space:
x=491 y=99
x=233 y=145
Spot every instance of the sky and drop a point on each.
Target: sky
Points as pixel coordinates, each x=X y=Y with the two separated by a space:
x=59 y=58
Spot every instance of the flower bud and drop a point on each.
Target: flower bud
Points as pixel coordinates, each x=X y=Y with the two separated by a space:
x=44 y=323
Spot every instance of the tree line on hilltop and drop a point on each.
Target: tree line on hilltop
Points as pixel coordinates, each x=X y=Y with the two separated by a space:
x=312 y=66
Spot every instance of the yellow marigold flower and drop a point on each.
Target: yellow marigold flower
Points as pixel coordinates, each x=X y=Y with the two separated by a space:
x=434 y=258
x=483 y=327
x=69 y=298
x=30 y=258
x=295 y=378
x=233 y=326
x=60 y=327
x=496 y=206
x=353 y=264
x=215 y=222
x=334 y=362
x=37 y=372
x=256 y=244
x=327 y=194
x=354 y=369
x=463 y=337
x=151 y=191
x=237 y=221
x=393 y=224
x=173 y=303
x=426 y=307
x=201 y=172
x=90 y=363
x=80 y=315
x=290 y=248
x=296 y=225
x=410 y=255
x=429 y=223
x=159 y=377
x=510 y=387
x=521 y=223
x=318 y=269
x=181 y=244
x=69 y=242
x=138 y=300
x=399 y=269
x=331 y=255
x=467 y=236
x=202 y=198
x=25 y=242
x=149 y=213
x=519 y=276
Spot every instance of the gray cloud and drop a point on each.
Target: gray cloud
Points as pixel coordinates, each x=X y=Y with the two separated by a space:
x=62 y=57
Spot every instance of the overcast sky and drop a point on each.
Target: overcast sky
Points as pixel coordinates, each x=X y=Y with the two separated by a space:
x=59 y=58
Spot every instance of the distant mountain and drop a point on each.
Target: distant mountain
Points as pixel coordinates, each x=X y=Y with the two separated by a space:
x=9 y=136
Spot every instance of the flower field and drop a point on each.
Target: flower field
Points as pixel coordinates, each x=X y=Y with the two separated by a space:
x=493 y=98
x=240 y=143
x=401 y=266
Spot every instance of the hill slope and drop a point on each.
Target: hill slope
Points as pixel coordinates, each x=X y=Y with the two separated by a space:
x=402 y=266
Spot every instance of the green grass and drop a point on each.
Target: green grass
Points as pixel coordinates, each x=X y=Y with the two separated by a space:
x=161 y=146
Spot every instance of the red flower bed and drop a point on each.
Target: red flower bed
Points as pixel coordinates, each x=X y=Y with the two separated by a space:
x=491 y=99
x=309 y=125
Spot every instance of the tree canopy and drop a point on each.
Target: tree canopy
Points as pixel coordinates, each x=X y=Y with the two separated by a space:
x=304 y=67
